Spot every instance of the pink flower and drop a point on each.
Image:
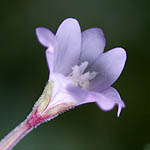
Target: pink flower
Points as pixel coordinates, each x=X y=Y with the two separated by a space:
x=80 y=72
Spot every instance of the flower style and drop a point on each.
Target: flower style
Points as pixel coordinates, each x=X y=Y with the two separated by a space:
x=80 y=72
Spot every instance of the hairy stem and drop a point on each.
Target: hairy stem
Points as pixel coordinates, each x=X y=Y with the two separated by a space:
x=15 y=136
x=40 y=114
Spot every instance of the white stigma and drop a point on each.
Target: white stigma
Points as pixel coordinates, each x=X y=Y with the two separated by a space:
x=79 y=77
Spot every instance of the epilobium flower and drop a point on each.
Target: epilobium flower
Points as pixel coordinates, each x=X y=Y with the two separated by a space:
x=80 y=72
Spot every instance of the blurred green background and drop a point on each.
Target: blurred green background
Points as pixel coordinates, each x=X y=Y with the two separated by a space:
x=24 y=73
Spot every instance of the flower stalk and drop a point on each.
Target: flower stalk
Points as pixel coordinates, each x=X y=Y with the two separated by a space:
x=15 y=136
x=40 y=114
x=80 y=73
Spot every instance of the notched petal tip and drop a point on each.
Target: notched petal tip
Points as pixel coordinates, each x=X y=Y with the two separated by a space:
x=113 y=95
x=70 y=20
x=108 y=99
x=45 y=36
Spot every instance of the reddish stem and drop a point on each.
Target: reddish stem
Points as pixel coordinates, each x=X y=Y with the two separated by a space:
x=20 y=131
x=15 y=136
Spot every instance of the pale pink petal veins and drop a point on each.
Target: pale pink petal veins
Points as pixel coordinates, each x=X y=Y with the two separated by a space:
x=109 y=67
x=69 y=46
x=93 y=43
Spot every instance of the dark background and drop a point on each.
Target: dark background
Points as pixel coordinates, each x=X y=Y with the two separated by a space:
x=24 y=73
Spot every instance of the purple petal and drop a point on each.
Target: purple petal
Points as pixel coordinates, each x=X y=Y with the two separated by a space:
x=50 y=59
x=60 y=93
x=78 y=94
x=45 y=37
x=106 y=100
x=69 y=46
x=113 y=98
x=93 y=43
x=109 y=67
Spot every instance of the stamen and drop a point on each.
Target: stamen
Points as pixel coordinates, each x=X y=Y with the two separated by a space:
x=79 y=78
x=83 y=67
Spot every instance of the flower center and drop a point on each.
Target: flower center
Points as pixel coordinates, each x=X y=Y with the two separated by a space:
x=79 y=77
